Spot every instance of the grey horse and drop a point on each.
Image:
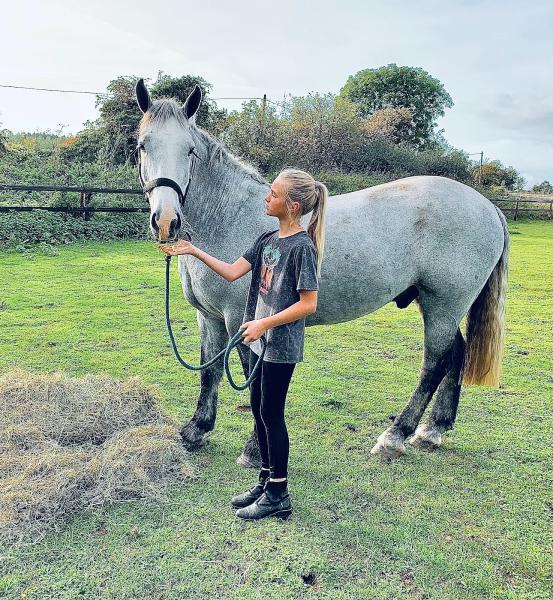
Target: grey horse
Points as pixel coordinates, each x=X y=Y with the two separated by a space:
x=426 y=239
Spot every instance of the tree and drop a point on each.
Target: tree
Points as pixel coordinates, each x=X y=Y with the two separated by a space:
x=114 y=132
x=3 y=139
x=119 y=117
x=209 y=115
x=252 y=134
x=392 y=124
x=495 y=174
x=400 y=87
x=543 y=188
x=321 y=131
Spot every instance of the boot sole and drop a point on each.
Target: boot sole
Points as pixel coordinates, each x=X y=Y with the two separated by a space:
x=281 y=514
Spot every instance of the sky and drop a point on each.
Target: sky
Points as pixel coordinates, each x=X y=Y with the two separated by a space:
x=493 y=57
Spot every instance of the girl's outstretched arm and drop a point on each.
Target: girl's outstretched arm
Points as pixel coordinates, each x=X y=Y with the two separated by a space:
x=230 y=272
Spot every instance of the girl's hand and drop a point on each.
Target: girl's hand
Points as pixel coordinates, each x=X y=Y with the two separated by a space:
x=254 y=330
x=180 y=247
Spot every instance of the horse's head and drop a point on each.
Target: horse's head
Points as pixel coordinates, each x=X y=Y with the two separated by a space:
x=166 y=152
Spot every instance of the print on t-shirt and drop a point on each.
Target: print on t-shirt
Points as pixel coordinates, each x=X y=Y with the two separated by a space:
x=271 y=256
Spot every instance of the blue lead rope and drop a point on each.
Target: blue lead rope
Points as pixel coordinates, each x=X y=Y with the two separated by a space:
x=235 y=340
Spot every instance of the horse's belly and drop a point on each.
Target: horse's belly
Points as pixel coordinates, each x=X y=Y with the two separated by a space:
x=347 y=293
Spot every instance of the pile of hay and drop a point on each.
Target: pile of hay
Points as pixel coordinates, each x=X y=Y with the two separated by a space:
x=71 y=444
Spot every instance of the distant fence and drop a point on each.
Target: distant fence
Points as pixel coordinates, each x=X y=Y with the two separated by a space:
x=84 y=208
x=520 y=202
x=514 y=203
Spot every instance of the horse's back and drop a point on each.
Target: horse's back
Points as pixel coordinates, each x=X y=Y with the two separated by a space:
x=384 y=239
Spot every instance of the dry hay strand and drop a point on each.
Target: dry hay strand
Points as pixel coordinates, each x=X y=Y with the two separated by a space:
x=138 y=462
x=39 y=488
x=70 y=444
x=74 y=411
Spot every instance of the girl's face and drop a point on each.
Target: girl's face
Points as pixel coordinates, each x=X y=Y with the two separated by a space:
x=275 y=201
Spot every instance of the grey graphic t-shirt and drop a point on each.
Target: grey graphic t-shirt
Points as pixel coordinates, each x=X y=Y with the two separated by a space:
x=280 y=268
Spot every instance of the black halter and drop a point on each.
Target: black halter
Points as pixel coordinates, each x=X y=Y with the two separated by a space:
x=148 y=186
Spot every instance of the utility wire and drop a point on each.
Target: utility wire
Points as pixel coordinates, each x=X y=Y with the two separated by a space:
x=23 y=87
x=39 y=89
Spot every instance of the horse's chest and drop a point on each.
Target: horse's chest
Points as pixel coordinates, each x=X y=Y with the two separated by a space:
x=200 y=289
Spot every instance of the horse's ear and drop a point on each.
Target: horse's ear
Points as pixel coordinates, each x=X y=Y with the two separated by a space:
x=192 y=102
x=142 y=96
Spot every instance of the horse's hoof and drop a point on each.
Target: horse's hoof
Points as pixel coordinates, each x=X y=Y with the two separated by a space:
x=426 y=438
x=249 y=462
x=192 y=437
x=389 y=446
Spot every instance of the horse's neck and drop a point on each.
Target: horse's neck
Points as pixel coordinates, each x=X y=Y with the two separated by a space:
x=225 y=205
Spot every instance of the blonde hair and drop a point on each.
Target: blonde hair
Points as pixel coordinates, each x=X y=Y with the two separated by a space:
x=312 y=195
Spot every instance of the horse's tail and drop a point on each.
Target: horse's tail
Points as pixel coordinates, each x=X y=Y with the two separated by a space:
x=485 y=331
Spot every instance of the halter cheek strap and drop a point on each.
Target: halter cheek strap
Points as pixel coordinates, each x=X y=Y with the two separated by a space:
x=148 y=186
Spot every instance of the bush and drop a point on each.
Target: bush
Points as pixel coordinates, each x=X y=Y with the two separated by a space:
x=21 y=230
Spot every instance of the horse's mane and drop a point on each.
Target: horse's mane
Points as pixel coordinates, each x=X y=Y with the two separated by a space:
x=162 y=110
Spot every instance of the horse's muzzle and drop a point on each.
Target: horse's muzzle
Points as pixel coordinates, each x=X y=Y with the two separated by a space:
x=164 y=230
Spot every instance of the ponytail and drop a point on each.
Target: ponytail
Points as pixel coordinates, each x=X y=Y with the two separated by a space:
x=315 y=228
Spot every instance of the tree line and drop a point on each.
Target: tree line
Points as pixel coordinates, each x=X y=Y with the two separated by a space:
x=380 y=126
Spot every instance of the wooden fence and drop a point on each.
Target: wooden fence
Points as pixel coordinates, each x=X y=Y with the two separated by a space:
x=84 y=208
x=521 y=202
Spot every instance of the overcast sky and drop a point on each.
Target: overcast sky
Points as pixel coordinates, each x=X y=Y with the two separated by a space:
x=493 y=57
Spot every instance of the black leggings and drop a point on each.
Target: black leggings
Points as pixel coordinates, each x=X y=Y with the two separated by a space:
x=268 y=392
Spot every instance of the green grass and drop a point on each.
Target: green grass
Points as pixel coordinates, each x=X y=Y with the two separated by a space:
x=472 y=520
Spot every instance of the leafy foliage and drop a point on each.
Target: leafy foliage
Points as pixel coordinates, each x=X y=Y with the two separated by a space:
x=400 y=87
x=392 y=124
x=3 y=140
x=494 y=174
x=21 y=230
x=543 y=188
x=112 y=138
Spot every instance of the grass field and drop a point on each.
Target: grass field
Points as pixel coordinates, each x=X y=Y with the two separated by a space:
x=472 y=520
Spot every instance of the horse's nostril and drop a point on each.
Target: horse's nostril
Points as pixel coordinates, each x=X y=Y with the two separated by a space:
x=174 y=227
x=153 y=222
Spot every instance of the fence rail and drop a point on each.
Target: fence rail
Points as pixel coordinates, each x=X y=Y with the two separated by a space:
x=60 y=188
x=68 y=209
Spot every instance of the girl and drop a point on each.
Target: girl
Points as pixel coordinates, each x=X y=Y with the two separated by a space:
x=285 y=265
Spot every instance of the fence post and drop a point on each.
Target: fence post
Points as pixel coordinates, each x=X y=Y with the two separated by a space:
x=516 y=210
x=87 y=200
x=85 y=203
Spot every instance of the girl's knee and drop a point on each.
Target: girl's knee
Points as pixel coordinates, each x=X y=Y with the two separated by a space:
x=271 y=418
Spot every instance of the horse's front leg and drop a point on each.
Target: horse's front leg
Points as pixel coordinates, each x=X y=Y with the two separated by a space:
x=250 y=456
x=214 y=338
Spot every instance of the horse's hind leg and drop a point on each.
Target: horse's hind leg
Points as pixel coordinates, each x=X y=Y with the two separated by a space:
x=444 y=411
x=214 y=338
x=439 y=339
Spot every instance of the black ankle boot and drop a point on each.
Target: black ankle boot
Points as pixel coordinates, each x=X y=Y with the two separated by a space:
x=253 y=493
x=272 y=502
